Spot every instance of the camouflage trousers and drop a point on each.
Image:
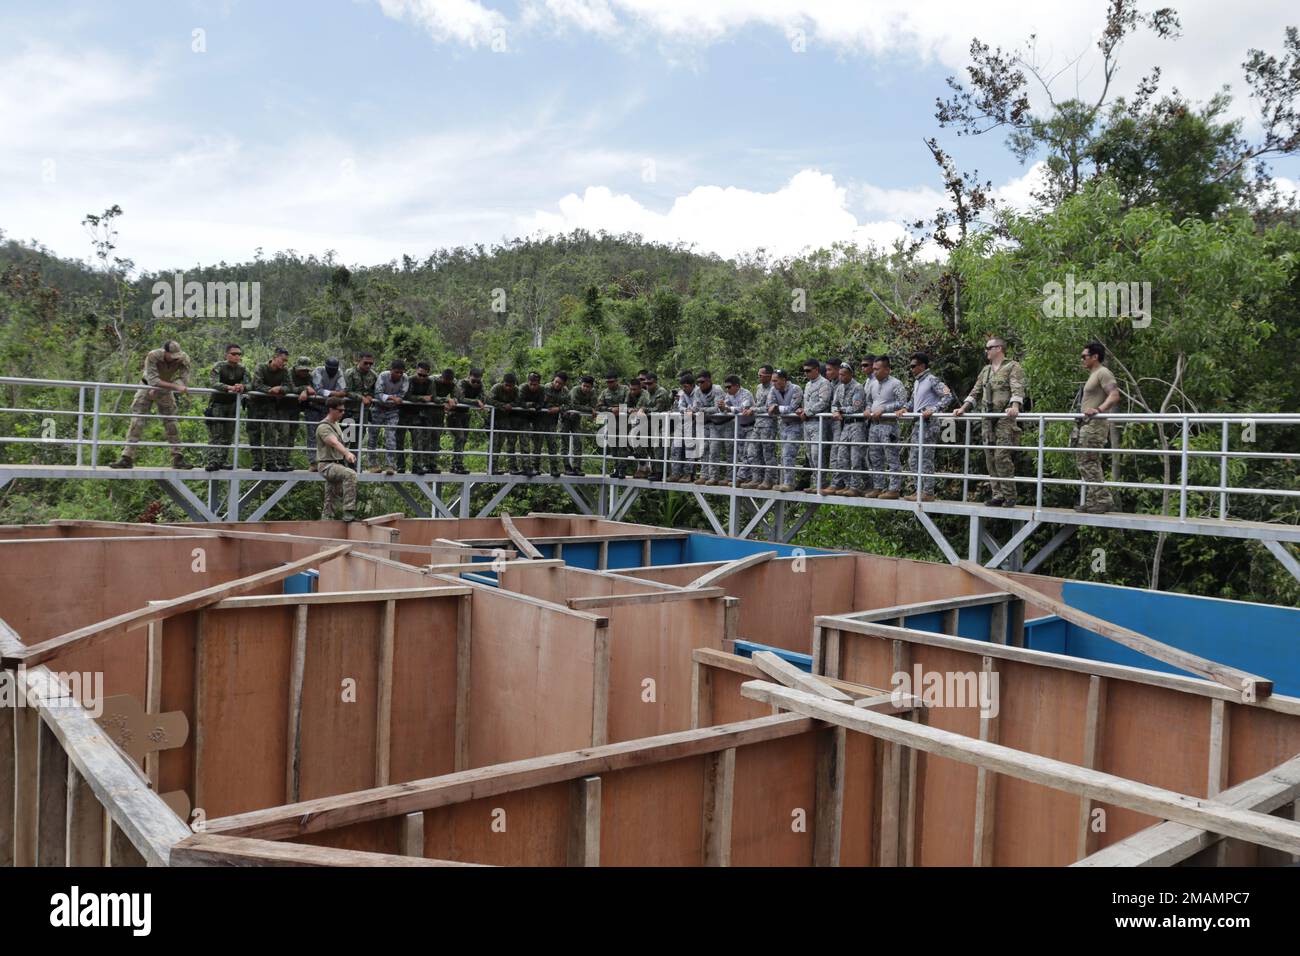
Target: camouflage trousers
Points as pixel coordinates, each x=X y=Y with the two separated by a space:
x=1094 y=436
x=791 y=437
x=818 y=443
x=886 y=457
x=760 y=453
x=425 y=436
x=268 y=434
x=458 y=425
x=143 y=404
x=1001 y=462
x=340 y=488
x=220 y=420
x=387 y=420
x=849 y=457
x=927 y=435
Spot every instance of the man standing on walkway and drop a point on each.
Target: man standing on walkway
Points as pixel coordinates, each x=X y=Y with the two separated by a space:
x=267 y=426
x=227 y=380
x=785 y=404
x=885 y=396
x=850 y=460
x=327 y=380
x=1100 y=394
x=817 y=395
x=165 y=372
x=1000 y=388
x=929 y=395
x=390 y=391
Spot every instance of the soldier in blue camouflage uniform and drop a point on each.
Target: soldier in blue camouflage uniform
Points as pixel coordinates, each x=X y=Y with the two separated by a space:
x=817 y=394
x=760 y=452
x=708 y=397
x=739 y=401
x=850 y=434
x=688 y=442
x=786 y=401
x=885 y=395
x=929 y=395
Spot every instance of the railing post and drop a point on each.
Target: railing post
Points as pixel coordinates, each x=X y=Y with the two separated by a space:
x=1042 y=424
x=1223 y=475
x=94 y=431
x=491 y=433
x=920 y=451
x=735 y=455
x=361 y=433
x=234 y=447
x=1182 y=485
x=965 y=464
x=818 y=486
x=81 y=420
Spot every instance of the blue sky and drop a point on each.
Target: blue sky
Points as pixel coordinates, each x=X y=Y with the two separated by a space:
x=378 y=127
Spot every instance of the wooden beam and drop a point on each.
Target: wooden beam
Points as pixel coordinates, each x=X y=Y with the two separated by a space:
x=121 y=851
x=26 y=742
x=384 y=704
x=786 y=673
x=1168 y=843
x=643 y=597
x=1093 y=732
x=384 y=519
x=7 y=768
x=600 y=688
x=412 y=836
x=200 y=710
x=342 y=597
x=719 y=795
x=711 y=578
x=153 y=691
x=52 y=811
x=203 y=849
x=526 y=547
x=940 y=605
x=93 y=634
x=328 y=813
x=490 y=565
x=1251 y=686
x=1245 y=825
x=863 y=695
x=986 y=784
x=464 y=643
x=828 y=815
x=584 y=822
x=85 y=824
x=297 y=668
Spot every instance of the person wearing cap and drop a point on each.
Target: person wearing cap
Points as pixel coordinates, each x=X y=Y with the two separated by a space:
x=415 y=418
x=333 y=460
x=885 y=396
x=579 y=421
x=785 y=403
x=227 y=380
x=297 y=402
x=555 y=401
x=638 y=429
x=444 y=404
x=532 y=405
x=267 y=419
x=328 y=382
x=760 y=453
x=849 y=433
x=817 y=395
x=504 y=399
x=658 y=403
x=469 y=395
x=610 y=403
x=688 y=443
x=165 y=372
x=929 y=395
x=1001 y=387
x=716 y=428
x=737 y=401
x=390 y=391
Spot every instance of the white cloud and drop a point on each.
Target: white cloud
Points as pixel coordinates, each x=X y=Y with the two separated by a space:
x=460 y=21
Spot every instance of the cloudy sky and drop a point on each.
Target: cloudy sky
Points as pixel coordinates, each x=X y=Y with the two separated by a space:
x=375 y=128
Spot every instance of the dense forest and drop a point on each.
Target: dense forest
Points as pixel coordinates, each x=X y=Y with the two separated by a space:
x=1146 y=187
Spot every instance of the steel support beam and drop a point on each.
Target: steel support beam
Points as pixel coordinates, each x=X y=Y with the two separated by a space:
x=628 y=500
x=1279 y=551
x=496 y=499
x=708 y=513
x=404 y=493
x=799 y=522
x=757 y=521
x=579 y=499
x=189 y=502
x=285 y=487
x=1046 y=551
x=1013 y=544
x=928 y=523
x=441 y=508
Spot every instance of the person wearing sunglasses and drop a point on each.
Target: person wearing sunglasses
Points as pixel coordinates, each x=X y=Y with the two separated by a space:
x=1001 y=388
x=929 y=395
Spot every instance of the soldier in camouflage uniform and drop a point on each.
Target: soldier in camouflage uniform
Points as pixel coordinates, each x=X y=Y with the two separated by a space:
x=929 y=395
x=817 y=394
x=297 y=403
x=360 y=380
x=504 y=398
x=469 y=394
x=638 y=421
x=760 y=452
x=165 y=372
x=555 y=402
x=1100 y=394
x=268 y=427
x=227 y=379
x=849 y=432
x=611 y=398
x=333 y=460
x=579 y=420
x=444 y=403
x=786 y=400
x=688 y=444
x=415 y=418
x=390 y=391
x=885 y=396
x=532 y=402
x=658 y=402
x=707 y=400
x=738 y=401
x=1001 y=387
x=328 y=381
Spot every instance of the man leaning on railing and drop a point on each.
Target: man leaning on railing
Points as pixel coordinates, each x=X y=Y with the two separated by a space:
x=165 y=372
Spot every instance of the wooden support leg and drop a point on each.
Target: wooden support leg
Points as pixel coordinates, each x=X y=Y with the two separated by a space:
x=293 y=764
x=1093 y=726
x=828 y=820
x=719 y=787
x=986 y=783
x=413 y=834
x=26 y=789
x=584 y=822
x=7 y=769
x=121 y=851
x=998 y=618
x=462 y=682
x=52 y=814
x=85 y=825
x=701 y=695
x=384 y=705
x=1217 y=780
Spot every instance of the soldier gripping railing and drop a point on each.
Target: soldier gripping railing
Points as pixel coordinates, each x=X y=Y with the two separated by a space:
x=1210 y=469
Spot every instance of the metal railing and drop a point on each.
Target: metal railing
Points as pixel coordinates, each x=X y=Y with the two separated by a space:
x=1208 y=458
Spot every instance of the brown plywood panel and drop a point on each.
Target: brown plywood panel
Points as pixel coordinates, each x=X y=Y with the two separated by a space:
x=176 y=767
x=728 y=704
x=653 y=815
x=244 y=707
x=857 y=833
x=775 y=792
x=866 y=660
x=530 y=679
x=1259 y=740
x=1042 y=711
x=338 y=736
x=524 y=828
x=424 y=688
x=373 y=836
x=1154 y=736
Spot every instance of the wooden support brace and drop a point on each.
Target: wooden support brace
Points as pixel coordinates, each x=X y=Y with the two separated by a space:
x=986 y=783
x=526 y=547
x=384 y=707
x=584 y=822
x=786 y=673
x=719 y=792
x=731 y=567
x=643 y=597
x=1093 y=732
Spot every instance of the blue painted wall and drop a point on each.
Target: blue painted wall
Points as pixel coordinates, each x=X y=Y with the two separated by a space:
x=707 y=547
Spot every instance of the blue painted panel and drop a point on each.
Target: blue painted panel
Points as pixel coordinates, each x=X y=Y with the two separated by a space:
x=930 y=621
x=1259 y=638
x=667 y=551
x=582 y=555
x=708 y=547
x=304 y=582
x=548 y=550
x=801 y=661
x=1047 y=634
x=624 y=554
x=974 y=622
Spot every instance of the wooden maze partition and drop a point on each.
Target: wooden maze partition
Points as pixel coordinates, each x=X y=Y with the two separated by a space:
x=1178 y=733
